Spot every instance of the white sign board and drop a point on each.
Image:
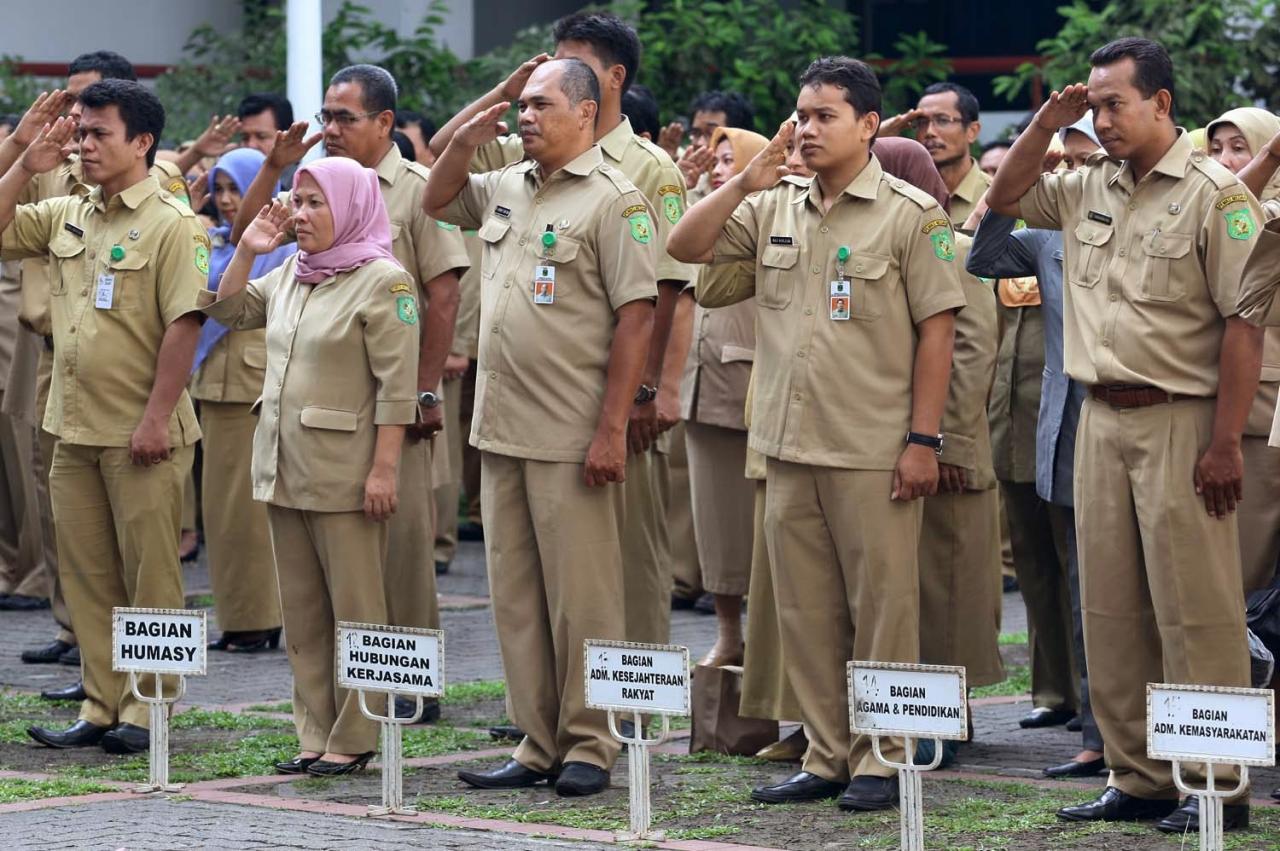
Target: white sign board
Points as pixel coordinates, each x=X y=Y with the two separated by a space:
x=627 y=677
x=1211 y=724
x=895 y=699
x=396 y=659
x=158 y=641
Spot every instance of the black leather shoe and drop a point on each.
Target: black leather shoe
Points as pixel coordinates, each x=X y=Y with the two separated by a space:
x=578 y=779
x=23 y=603
x=470 y=532
x=1089 y=768
x=867 y=793
x=1075 y=725
x=47 y=655
x=81 y=734
x=71 y=657
x=679 y=604
x=1186 y=818
x=1275 y=794
x=75 y=691
x=127 y=738
x=297 y=765
x=405 y=707
x=506 y=731
x=511 y=775
x=1043 y=717
x=801 y=786
x=324 y=768
x=1114 y=805
x=442 y=567
x=705 y=604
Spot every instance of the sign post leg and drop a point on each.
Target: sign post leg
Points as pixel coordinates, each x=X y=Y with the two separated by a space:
x=392 y=755
x=158 y=712
x=910 y=789
x=1210 y=799
x=638 y=777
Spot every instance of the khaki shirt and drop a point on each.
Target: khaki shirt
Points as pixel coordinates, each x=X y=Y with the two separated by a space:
x=967 y=194
x=967 y=441
x=466 y=329
x=10 y=299
x=713 y=390
x=827 y=392
x=104 y=360
x=1258 y=305
x=342 y=358
x=234 y=369
x=1262 y=414
x=542 y=367
x=643 y=163
x=1152 y=268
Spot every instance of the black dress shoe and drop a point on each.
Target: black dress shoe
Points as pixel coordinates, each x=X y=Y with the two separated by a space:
x=867 y=793
x=1076 y=724
x=23 y=603
x=71 y=657
x=81 y=734
x=47 y=655
x=681 y=603
x=511 y=775
x=1114 y=805
x=442 y=567
x=705 y=604
x=297 y=765
x=801 y=786
x=406 y=706
x=127 y=738
x=75 y=691
x=1090 y=768
x=506 y=731
x=1008 y=584
x=1275 y=794
x=324 y=768
x=470 y=532
x=1186 y=818
x=1044 y=717
x=578 y=779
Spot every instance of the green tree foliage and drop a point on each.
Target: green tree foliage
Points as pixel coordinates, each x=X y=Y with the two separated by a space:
x=1223 y=51
x=17 y=91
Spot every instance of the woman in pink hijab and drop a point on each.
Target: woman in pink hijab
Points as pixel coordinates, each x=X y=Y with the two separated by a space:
x=341 y=385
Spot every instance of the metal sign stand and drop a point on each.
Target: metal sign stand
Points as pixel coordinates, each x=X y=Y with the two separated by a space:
x=158 y=706
x=638 y=776
x=1210 y=799
x=392 y=755
x=910 y=793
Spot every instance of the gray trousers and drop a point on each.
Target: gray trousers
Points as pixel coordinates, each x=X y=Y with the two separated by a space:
x=1063 y=519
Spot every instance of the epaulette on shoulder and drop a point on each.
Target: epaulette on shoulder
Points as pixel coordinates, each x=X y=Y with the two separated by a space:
x=660 y=156
x=922 y=198
x=1098 y=156
x=618 y=179
x=1212 y=169
x=417 y=168
x=177 y=204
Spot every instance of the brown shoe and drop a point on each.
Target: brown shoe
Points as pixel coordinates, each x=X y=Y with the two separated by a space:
x=790 y=749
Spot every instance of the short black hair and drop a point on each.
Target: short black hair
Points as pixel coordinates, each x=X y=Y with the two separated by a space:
x=579 y=83
x=1152 y=67
x=861 y=88
x=377 y=87
x=991 y=146
x=737 y=109
x=108 y=63
x=260 y=102
x=405 y=144
x=641 y=108
x=612 y=39
x=966 y=101
x=406 y=117
x=141 y=111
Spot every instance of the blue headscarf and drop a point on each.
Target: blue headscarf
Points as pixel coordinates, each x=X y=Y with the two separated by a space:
x=242 y=166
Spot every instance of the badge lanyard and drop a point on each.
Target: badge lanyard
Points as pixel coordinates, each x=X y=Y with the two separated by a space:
x=104 y=294
x=544 y=276
x=841 y=288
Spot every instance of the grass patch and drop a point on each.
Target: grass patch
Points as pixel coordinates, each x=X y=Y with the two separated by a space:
x=1017 y=682
x=1013 y=638
x=30 y=790
x=219 y=720
x=702 y=757
x=250 y=756
x=582 y=817
x=711 y=832
x=437 y=741
x=476 y=691
x=285 y=707
x=199 y=601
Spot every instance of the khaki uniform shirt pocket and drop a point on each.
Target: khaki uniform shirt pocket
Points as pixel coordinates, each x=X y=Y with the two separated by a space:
x=130 y=278
x=1091 y=261
x=562 y=254
x=1160 y=281
x=871 y=288
x=67 y=262
x=777 y=278
x=491 y=234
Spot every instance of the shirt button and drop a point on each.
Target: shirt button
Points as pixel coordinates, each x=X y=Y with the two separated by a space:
x=524 y=241
x=808 y=311
x=796 y=397
x=858 y=268
x=84 y=291
x=1133 y=206
x=824 y=228
x=537 y=201
x=1105 y=341
x=495 y=329
x=506 y=285
x=1114 y=297
x=493 y=375
x=1124 y=252
x=816 y=269
x=800 y=353
x=71 y=330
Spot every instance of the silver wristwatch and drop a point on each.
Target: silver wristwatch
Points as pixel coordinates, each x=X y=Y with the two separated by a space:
x=427 y=399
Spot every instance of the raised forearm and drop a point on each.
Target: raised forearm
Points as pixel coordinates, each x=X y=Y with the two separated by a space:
x=1239 y=365
x=448 y=177
x=1259 y=171
x=173 y=367
x=1019 y=170
x=627 y=357
x=236 y=276
x=694 y=236
x=255 y=198
x=15 y=180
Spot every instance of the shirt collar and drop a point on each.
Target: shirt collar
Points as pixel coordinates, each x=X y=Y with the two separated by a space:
x=1173 y=163
x=388 y=167
x=131 y=197
x=579 y=166
x=972 y=186
x=866 y=185
x=614 y=143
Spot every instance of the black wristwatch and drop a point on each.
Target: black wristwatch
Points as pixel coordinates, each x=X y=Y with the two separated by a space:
x=933 y=442
x=646 y=394
x=427 y=399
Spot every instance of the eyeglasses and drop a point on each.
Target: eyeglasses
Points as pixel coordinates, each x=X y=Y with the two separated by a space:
x=343 y=119
x=942 y=122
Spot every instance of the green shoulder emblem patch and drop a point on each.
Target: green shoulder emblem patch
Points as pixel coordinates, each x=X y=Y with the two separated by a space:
x=943 y=245
x=641 y=228
x=1240 y=224
x=407 y=309
x=671 y=208
x=202 y=259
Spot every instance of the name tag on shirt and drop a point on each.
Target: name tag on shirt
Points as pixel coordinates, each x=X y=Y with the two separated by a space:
x=544 y=285
x=840 y=294
x=104 y=295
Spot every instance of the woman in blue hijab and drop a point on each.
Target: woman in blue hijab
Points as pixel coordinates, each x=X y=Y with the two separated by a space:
x=226 y=380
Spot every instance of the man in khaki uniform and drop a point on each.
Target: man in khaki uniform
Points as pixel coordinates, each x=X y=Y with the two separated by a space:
x=566 y=305
x=612 y=49
x=855 y=289
x=359 y=114
x=130 y=260
x=946 y=123
x=1155 y=236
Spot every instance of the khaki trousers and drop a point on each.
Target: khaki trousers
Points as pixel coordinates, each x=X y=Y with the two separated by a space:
x=766 y=683
x=328 y=565
x=686 y=573
x=118 y=527
x=1043 y=579
x=844 y=558
x=646 y=548
x=1259 y=514
x=1160 y=578
x=242 y=568
x=190 y=502
x=446 y=492
x=722 y=506
x=21 y=539
x=470 y=455
x=555 y=579
x=45 y=446
x=960 y=584
x=409 y=571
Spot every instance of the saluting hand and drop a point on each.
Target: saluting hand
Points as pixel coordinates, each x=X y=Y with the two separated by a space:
x=51 y=146
x=484 y=127
x=45 y=110
x=514 y=84
x=291 y=146
x=606 y=459
x=217 y=137
x=1064 y=108
x=916 y=473
x=697 y=161
x=900 y=123
x=770 y=165
x=1219 y=478
x=198 y=190
x=268 y=229
x=670 y=137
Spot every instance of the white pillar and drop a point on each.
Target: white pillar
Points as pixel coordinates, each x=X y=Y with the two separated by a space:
x=304 y=64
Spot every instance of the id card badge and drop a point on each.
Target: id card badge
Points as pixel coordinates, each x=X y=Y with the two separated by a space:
x=105 y=293
x=840 y=295
x=544 y=285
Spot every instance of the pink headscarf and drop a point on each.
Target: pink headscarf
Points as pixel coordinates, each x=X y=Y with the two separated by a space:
x=361 y=229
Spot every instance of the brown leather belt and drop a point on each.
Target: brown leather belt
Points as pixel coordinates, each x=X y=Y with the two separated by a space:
x=1134 y=395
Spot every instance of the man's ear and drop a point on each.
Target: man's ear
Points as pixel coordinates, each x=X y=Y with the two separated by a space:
x=386 y=122
x=587 y=111
x=972 y=131
x=617 y=76
x=1164 y=102
x=142 y=143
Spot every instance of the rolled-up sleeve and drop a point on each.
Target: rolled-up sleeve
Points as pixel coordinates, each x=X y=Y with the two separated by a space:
x=391 y=328
x=467 y=209
x=29 y=233
x=246 y=309
x=1050 y=201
